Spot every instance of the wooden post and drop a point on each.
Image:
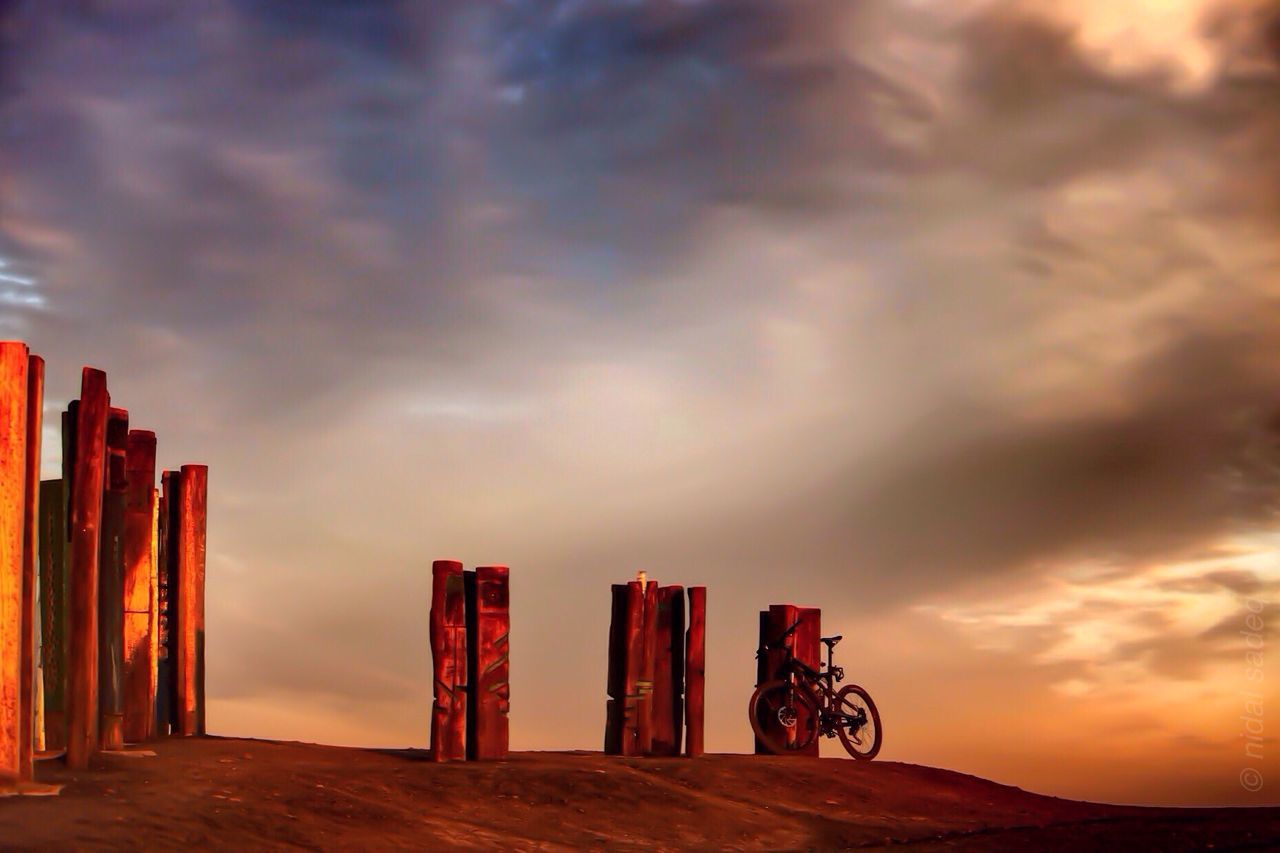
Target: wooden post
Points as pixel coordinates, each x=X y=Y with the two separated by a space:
x=14 y=364
x=668 y=672
x=153 y=677
x=695 y=671
x=30 y=539
x=616 y=690
x=111 y=585
x=54 y=610
x=167 y=597
x=488 y=662
x=449 y=661
x=807 y=647
x=774 y=622
x=85 y=520
x=192 y=525
x=648 y=654
x=139 y=569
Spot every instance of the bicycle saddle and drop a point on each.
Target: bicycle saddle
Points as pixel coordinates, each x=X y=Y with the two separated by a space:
x=831 y=641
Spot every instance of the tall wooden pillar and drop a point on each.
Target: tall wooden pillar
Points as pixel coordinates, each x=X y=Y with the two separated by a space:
x=166 y=604
x=139 y=569
x=648 y=653
x=774 y=623
x=807 y=647
x=626 y=653
x=30 y=539
x=54 y=610
x=488 y=662
x=89 y=469
x=449 y=661
x=189 y=670
x=667 y=710
x=695 y=671
x=111 y=585
x=14 y=365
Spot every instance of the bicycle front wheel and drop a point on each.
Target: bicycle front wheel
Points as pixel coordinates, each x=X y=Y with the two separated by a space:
x=858 y=722
x=783 y=716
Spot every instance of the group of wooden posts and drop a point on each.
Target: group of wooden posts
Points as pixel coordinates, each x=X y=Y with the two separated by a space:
x=656 y=670
x=101 y=580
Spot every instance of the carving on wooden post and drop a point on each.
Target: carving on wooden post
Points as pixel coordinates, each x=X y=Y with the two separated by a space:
x=111 y=585
x=139 y=569
x=85 y=517
x=488 y=662
x=189 y=664
x=449 y=661
x=695 y=671
x=14 y=364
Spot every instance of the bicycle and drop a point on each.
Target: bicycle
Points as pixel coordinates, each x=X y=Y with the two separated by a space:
x=798 y=703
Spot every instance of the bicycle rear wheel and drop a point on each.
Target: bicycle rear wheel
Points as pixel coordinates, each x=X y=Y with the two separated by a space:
x=783 y=716
x=858 y=722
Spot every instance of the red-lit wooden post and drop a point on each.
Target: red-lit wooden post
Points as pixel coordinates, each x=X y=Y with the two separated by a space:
x=488 y=662
x=625 y=652
x=774 y=622
x=807 y=647
x=668 y=672
x=139 y=569
x=449 y=661
x=615 y=689
x=648 y=655
x=14 y=364
x=111 y=585
x=54 y=609
x=89 y=467
x=30 y=539
x=167 y=601
x=695 y=671
x=192 y=526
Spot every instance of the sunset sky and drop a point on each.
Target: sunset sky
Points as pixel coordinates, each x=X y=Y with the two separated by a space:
x=959 y=319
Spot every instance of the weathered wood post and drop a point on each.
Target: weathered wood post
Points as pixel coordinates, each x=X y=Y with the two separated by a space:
x=807 y=647
x=30 y=540
x=54 y=610
x=774 y=622
x=111 y=585
x=648 y=655
x=695 y=671
x=625 y=651
x=86 y=487
x=154 y=606
x=139 y=570
x=668 y=672
x=192 y=526
x=449 y=661
x=167 y=619
x=14 y=364
x=488 y=662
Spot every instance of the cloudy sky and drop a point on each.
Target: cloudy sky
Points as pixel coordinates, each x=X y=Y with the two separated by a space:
x=957 y=318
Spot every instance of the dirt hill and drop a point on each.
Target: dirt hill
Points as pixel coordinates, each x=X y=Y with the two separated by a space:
x=251 y=794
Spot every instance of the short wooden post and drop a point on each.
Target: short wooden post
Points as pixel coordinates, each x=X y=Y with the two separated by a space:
x=807 y=647
x=615 y=706
x=14 y=364
x=89 y=470
x=668 y=672
x=111 y=586
x=192 y=527
x=695 y=671
x=449 y=661
x=139 y=569
x=648 y=656
x=774 y=622
x=488 y=662
x=167 y=610
x=30 y=540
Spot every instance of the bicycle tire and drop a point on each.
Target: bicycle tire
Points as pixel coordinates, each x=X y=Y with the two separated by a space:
x=855 y=745
x=772 y=701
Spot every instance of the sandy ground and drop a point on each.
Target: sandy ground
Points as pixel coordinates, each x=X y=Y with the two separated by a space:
x=249 y=794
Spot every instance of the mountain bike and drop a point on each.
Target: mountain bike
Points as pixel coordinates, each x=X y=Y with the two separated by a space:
x=798 y=703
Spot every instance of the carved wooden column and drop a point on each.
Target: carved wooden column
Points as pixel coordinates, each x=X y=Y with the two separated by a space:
x=449 y=661
x=139 y=570
x=488 y=662
x=189 y=669
x=667 y=711
x=86 y=488
x=14 y=365
x=111 y=585
x=695 y=671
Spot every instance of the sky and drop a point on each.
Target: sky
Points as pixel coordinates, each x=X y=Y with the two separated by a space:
x=958 y=320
